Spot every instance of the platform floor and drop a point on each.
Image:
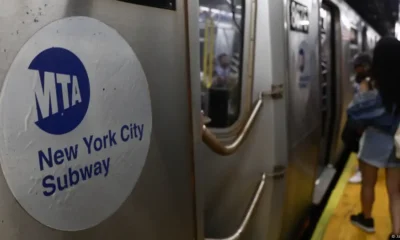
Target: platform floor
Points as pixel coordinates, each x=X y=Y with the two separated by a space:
x=344 y=201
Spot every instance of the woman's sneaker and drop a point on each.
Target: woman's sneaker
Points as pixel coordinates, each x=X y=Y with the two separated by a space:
x=356 y=178
x=366 y=224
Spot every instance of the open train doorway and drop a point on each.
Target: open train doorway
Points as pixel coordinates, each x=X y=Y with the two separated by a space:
x=328 y=89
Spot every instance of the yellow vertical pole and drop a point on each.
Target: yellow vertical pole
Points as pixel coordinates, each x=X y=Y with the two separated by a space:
x=205 y=51
x=208 y=51
x=211 y=53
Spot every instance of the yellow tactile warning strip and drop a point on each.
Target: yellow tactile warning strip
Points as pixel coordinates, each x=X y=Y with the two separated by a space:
x=334 y=223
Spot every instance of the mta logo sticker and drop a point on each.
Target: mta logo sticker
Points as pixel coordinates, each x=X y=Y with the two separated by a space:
x=62 y=90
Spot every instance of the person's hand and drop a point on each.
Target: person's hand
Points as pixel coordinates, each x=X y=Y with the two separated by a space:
x=364 y=86
x=204 y=120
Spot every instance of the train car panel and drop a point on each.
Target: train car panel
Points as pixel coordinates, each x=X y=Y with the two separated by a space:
x=231 y=181
x=303 y=111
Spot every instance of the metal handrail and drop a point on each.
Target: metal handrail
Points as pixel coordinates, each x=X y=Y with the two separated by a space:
x=249 y=212
x=212 y=141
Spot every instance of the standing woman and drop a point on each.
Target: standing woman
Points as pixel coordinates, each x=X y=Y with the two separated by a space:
x=379 y=112
x=361 y=65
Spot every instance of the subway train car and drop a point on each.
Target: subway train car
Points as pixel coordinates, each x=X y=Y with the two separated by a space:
x=303 y=71
x=171 y=119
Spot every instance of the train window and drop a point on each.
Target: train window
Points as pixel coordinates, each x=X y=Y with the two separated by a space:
x=221 y=43
x=353 y=36
x=166 y=4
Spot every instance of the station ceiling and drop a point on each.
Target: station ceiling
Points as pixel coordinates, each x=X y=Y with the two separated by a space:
x=380 y=14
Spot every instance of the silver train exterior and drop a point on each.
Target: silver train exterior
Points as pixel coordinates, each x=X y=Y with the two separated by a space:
x=254 y=179
x=296 y=136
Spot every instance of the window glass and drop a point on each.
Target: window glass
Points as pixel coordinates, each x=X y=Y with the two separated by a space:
x=221 y=44
x=354 y=49
x=353 y=36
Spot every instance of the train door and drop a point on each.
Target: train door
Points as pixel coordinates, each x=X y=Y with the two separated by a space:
x=100 y=142
x=327 y=72
x=243 y=138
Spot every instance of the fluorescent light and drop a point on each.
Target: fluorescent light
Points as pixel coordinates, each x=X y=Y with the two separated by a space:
x=213 y=10
x=218 y=12
x=322 y=12
x=304 y=22
x=204 y=8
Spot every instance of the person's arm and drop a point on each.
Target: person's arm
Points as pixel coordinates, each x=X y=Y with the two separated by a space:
x=366 y=105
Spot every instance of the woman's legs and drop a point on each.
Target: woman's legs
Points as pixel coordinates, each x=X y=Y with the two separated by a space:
x=393 y=188
x=357 y=177
x=369 y=177
x=364 y=220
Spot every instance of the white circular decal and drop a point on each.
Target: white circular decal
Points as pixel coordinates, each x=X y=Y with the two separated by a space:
x=76 y=123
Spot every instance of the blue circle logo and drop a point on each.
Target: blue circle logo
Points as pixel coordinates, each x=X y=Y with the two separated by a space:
x=62 y=92
x=302 y=60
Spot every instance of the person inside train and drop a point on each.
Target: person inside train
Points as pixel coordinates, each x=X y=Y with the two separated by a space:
x=222 y=70
x=379 y=112
x=362 y=64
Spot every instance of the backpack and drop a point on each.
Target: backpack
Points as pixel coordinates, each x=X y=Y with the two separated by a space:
x=352 y=133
